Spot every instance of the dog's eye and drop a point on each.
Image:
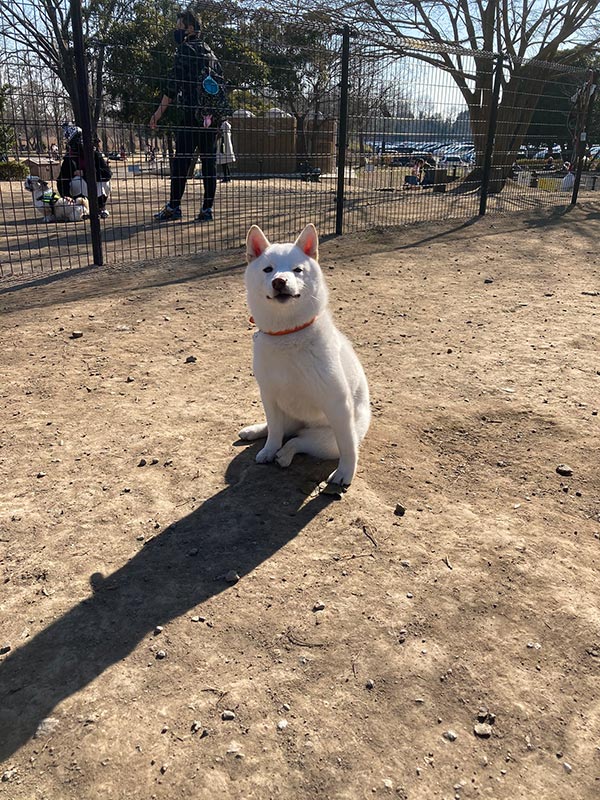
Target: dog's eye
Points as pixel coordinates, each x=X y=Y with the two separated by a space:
x=298 y=269
x=268 y=269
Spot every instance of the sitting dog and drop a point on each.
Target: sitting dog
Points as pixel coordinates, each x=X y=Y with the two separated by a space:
x=53 y=207
x=313 y=388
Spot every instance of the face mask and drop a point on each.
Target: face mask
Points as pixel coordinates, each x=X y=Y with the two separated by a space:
x=178 y=35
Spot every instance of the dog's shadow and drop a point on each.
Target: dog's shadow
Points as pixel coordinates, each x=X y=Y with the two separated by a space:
x=261 y=509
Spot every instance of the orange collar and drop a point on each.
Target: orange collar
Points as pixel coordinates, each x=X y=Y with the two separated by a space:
x=289 y=330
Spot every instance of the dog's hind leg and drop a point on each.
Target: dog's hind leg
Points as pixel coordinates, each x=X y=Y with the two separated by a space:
x=317 y=442
x=252 y=432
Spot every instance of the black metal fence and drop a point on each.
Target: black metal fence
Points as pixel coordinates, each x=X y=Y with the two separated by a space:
x=327 y=127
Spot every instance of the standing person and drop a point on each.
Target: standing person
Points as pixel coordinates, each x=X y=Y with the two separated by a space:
x=225 y=152
x=416 y=175
x=72 y=178
x=196 y=80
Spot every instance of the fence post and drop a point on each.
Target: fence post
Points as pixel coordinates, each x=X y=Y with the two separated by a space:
x=86 y=127
x=582 y=140
x=342 y=132
x=491 y=135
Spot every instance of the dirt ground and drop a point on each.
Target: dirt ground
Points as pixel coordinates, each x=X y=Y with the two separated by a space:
x=360 y=648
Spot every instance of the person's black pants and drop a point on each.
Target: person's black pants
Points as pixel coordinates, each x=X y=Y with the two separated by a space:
x=191 y=143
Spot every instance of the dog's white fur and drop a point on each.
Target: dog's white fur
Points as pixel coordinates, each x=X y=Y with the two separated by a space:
x=65 y=209
x=313 y=388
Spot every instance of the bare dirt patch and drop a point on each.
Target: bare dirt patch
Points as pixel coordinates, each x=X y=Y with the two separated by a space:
x=126 y=500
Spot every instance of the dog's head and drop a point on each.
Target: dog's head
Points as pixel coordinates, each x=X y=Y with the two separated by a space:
x=34 y=184
x=284 y=282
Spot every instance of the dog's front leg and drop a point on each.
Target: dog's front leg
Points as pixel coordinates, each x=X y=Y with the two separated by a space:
x=275 y=431
x=340 y=415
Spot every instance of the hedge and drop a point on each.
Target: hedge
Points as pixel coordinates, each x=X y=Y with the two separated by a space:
x=13 y=170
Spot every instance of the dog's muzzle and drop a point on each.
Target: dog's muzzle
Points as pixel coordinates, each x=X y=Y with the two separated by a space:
x=281 y=290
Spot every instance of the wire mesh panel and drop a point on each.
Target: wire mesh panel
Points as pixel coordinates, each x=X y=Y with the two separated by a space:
x=420 y=145
x=34 y=102
x=411 y=142
x=280 y=166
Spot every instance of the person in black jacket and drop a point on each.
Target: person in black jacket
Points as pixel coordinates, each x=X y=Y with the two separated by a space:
x=199 y=131
x=72 y=178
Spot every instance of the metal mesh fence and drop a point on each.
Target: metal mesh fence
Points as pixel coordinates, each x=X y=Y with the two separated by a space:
x=417 y=148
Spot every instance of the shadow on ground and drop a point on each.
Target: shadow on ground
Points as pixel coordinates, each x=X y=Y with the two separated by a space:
x=259 y=511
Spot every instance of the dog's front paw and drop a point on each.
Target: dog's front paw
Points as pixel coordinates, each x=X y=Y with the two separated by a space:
x=266 y=455
x=342 y=477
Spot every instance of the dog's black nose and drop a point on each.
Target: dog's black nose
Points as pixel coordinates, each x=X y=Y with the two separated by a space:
x=279 y=284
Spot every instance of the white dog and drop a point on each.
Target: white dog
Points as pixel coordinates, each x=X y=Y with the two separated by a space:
x=313 y=388
x=53 y=207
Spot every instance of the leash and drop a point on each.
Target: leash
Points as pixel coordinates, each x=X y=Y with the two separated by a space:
x=289 y=330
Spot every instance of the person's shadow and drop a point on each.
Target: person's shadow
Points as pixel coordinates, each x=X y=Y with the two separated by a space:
x=261 y=509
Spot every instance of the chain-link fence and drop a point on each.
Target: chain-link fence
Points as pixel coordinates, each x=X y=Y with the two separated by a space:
x=326 y=126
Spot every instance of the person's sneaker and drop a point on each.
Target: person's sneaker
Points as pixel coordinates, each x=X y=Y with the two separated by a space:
x=205 y=215
x=104 y=214
x=168 y=213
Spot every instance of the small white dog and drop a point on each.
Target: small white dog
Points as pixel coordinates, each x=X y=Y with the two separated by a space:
x=313 y=388
x=53 y=207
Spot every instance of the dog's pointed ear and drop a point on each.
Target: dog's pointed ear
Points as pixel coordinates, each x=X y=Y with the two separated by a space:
x=308 y=241
x=256 y=243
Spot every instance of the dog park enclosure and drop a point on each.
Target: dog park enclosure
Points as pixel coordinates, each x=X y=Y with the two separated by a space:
x=354 y=139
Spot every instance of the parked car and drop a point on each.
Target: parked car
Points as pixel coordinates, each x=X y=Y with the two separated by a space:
x=114 y=155
x=453 y=159
x=543 y=153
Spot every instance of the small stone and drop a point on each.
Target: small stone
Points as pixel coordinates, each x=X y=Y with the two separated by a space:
x=400 y=510
x=409 y=595
x=318 y=606
x=193 y=552
x=142 y=462
x=282 y=724
x=41 y=475
x=482 y=714
x=227 y=714
x=164 y=768
x=46 y=727
x=565 y=470
x=405 y=563
x=6 y=648
x=129 y=379
x=161 y=654
x=231 y=576
x=488 y=280
x=158 y=629
x=567 y=767
x=191 y=360
x=370 y=684
x=9 y=775
x=164 y=729
x=196 y=726
x=198 y=619
x=483 y=730
x=76 y=334
x=388 y=783
x=450 y=735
